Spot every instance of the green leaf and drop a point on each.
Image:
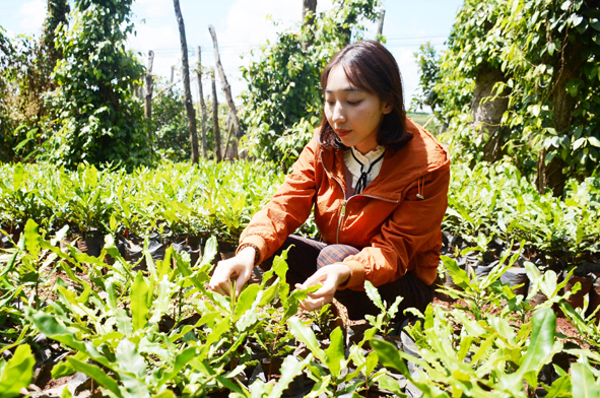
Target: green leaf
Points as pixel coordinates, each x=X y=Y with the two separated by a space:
x=124 y=324
x=32 y=238
x=373 y=294
x=162 y=302
x=112 y=297
x=129 y=360
x=561 y=387
x=210 y=251
x=290 y=369
x=306 y=335
x=371 y=363
x=388 y=383
x=139 y=302
x=17 y=373
x=181 y=360
x=166 y=394
x=583 y=381
x=542 y=340
x=62 y=369
x=579 y=143
x=245 y=301
x=48 y=325
x=66 y=393
x=97 y=375
x=335 y=352
x=270 y=293
x=594 y=141
x=18 y=174
x=459 y=276
x=184 y=267
x=389 y=357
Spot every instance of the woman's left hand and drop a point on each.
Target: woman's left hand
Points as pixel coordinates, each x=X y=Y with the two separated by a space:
x=331 y=276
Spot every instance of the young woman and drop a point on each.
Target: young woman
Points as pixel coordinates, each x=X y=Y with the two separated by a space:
x=378 y=183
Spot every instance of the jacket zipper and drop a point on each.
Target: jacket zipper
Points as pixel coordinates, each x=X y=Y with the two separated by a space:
x=345 y=202
x=342 y=214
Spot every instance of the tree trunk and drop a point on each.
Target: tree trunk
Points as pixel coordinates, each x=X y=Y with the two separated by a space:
x=563 y=104
x=487 y=109
x=215 y=109
x=380 y=23
x=226 y=90
x=187 y=94
x=309 y=9
x=202 y=104
x=148 y=96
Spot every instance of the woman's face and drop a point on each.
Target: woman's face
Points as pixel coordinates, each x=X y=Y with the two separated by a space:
x=354 y=115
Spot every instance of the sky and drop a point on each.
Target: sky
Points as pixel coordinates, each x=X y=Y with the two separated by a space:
x=244 y=24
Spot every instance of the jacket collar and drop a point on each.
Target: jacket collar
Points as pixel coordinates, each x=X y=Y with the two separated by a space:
x=422 y=155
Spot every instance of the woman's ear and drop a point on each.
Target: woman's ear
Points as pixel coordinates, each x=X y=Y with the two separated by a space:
x=387 y=108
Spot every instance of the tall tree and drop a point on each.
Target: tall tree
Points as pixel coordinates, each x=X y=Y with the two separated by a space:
x=187 y=93
x=226 y=89
x=531 y=67
x=100 y=121
x=202 y=103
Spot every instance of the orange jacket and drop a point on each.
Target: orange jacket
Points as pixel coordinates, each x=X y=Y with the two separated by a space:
x=396 y=219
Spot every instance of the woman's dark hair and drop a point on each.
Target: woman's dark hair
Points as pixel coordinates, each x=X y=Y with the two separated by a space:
x=370 y=67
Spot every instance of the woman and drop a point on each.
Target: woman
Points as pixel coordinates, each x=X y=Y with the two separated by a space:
x=378 y=183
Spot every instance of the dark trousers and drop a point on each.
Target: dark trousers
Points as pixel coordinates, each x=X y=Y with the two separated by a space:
x=306 y=256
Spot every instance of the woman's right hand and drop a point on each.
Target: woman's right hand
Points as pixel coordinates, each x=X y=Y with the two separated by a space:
x=238 y=268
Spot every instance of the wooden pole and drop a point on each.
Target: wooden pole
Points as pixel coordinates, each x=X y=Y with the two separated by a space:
x=148 y=96
x=187 y=94
x=202 y=104
x=228 y=140
x=149 y=86
x=215 y=109
x=226 y=88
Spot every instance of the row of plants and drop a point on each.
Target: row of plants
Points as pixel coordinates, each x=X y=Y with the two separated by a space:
x=171 y=200
x=158 y=332
x=490 y=206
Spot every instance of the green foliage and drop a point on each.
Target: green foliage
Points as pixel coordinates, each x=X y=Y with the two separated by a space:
x=173 y=199
x=100 y=121
x=17 y=372
x=548 y=53
x=283 y=104
x=169 y=126
x=6 y=50
x=464 y=351
x=487 y=202
x=158 y=331
x=429 y=70
x=27 y=67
